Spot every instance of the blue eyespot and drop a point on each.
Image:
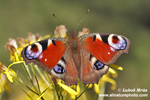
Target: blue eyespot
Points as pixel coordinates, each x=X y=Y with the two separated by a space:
x=59 y=69
x=98 y=65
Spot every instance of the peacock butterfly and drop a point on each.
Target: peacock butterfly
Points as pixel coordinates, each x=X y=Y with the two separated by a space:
x=85 y=57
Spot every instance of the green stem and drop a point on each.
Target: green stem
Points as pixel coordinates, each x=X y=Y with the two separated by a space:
x=23 y=84
x=43 y=77
x=23 y=89
x=41 y=74
x=35 y=78
x=76 y=90
x=61 y=94
x=29 y=75
x=58 y=95
x=82 y=92
x=37 y=83
x=48 y=78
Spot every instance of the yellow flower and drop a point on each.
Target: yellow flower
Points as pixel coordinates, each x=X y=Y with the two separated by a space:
x=60 y=31
x=50 y=85
x=59 y=87
x=107 y=78
x=116 y=66
x=59 y=83
x=68 y=89
x=15 y=50
x=77 y=87
x=5 y=72
x=4 y=85
x=84 y=31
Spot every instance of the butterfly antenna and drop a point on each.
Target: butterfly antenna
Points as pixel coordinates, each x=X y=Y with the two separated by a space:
x=82 y=19
x=58 y=20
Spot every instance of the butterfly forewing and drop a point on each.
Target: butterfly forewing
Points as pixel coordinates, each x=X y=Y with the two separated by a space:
x=45 y=53
x=105 y=47
x=53 y=55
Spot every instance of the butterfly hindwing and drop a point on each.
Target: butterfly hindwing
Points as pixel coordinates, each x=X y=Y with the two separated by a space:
x=45 y=53
x=105 y=47
x=66 y=69
x=91 y=68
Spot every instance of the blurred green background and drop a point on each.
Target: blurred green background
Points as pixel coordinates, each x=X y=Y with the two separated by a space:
x=130 y=18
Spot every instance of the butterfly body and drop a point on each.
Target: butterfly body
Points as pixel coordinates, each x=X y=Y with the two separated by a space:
x=86 y=57
x=75 y=48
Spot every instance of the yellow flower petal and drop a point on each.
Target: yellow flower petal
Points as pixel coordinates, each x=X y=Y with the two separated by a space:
x=73 y=97
x=116 y=66
x=7 y=87
x=16 y=57
x=90 y=86
x=46 y=36
x=8 y=76
x=111 y=70
x=97 y=88
x=107 y=79
x=68 y=89
x=1 y=75
x=78 y=89
x=115 y=75
x=0 y=89
x=12 y=72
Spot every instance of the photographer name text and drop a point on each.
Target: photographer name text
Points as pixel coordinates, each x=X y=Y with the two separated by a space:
x=133 y=90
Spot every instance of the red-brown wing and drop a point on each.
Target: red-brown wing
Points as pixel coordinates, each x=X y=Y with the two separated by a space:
x=105 y=47
x=66 y=69
x=45 y=53
x=53 y=55
x=97 y=52
x=91 y=68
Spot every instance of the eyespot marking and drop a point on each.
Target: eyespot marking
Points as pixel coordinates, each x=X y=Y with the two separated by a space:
x=54 y=43
x=33 y=51
x=62 y=58
x=98 y=37
x=34 y=48
x=94 y=38
x=49 y=42
x=44 y=44
x=117 y=42
x=115 y=39
x=59 y=69
x=105 y=38
x=98 y=65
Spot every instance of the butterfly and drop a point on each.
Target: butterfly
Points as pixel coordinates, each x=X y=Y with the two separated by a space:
x=86 y=57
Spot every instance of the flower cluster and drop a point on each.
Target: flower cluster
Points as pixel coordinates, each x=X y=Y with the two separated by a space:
x=45 y=86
